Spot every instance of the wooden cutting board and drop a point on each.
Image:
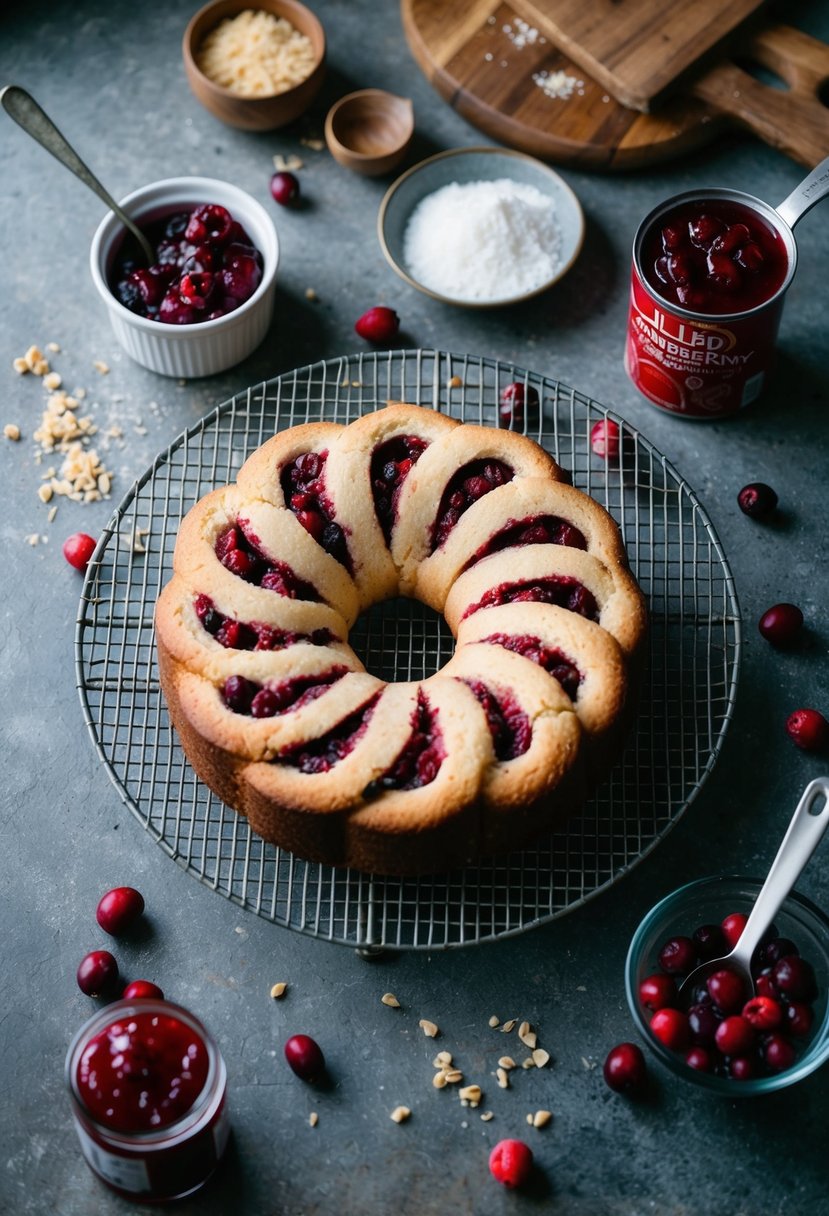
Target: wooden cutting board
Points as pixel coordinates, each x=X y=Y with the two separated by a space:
x=636 y=49
x=524 y=92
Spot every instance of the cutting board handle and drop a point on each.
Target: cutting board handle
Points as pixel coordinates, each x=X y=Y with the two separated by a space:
x=793 y=120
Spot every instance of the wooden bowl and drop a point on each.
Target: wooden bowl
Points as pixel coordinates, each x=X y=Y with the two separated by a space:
x=254 y=113
x=370 y=131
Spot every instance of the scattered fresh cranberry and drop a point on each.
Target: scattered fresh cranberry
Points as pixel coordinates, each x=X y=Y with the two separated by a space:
x=727 y=990
x=757 y=500
x=305 y=1057
x=378 y=325
x=511 y=1162
x=142 y=990
x=678 y=956
x=97 y=973
x=284 y=188
x=671 y=1027
x=781 y=624
x=808 y=729
x=119 y=909
x=624 y=1069
x=515 y=402
x=77 y=549
x=606 y=439
x=732 y=928
x=658 y=991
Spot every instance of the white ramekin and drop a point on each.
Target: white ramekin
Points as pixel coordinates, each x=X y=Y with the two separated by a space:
x=211 y=346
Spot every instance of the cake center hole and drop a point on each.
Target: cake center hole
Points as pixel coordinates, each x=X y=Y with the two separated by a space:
x=402 y=639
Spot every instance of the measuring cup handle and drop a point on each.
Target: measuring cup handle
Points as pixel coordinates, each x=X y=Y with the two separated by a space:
x=803 y=835
x=804 y=196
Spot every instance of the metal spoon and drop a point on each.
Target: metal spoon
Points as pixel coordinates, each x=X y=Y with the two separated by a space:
x=25 y=111
x=808 y=824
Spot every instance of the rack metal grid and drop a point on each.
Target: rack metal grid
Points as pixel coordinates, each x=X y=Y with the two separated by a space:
x=686 y=698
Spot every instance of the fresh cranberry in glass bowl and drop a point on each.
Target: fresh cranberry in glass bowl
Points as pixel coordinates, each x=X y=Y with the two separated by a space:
x=726 y=1038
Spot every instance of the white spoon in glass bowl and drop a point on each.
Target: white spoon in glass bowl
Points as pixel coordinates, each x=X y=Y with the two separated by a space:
x=808 y=824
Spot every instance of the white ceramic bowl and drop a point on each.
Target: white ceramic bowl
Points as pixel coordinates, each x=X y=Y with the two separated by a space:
x=210 y=346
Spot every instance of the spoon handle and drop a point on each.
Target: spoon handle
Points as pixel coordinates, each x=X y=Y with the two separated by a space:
x=808 y=824
x=25 y=111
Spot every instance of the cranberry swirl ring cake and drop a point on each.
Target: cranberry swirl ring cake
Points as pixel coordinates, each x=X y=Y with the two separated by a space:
x=277 y=714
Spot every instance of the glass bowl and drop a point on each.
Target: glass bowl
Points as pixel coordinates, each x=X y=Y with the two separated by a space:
x=709 y=901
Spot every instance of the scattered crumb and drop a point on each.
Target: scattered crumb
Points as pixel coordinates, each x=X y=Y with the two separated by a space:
x=527 y=1035
x=471 y=1094
x=388 y=998
x=286 y=164
x=506 y=1062
x=313 y=1118
x=33 y=361
x=439 y=1079
x=442 y=1060
x=580 y=988
x=528 y=1063
x=44 y=492
x=52 y=513
x=429 y=1028
x=541 y=1057
x=52 y=381
x=503 y=1078
x=53 y=348
x=494 y=1021
x=400 y=1114
x=310 y=294
x=279 y=990
x=589 y=1064
x=508 y=1026
x=32 y=538
x=356 y=384
x=316 y=145
x=100 y=367
x=12 y=431
x=455 y=382
x=486 y=1116
x=541 y=1118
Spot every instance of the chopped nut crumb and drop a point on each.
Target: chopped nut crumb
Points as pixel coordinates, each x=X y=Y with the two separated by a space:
x=53 y=348
x=471 y=1094
x=356 y=384
x=506 y=1062
x=589 y=1064
x=486 y=1116
x=494 y=1021
x=279 y=990
x=52 y=381
x=428 y=1028
x=100 y=367
x=541 y=1118
x=316 y=145
x=32 y=538
x=508 y=1026
x=20 y=365
x=439 y=1079
x=388 y=998
x=286 y=164
x=44 y=492
x=400 y=1114
x=12 y=431
x=455 y=382
x=527 y=1035
x=32 y=361
x=540 y=1057
x=503 y=1078
x=52 y=513
x=528 y=1063
x=530 y=1120
x=310 y=294
x=453 y=1076
x=313 y=1118
x=442 y=1060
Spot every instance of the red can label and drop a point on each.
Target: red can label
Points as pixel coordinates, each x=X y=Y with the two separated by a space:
x=697 y=366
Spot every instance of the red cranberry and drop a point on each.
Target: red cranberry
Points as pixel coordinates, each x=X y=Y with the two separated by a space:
x=781 y=624
x=511 y=1162
x=671 y=1027
x=97 y=973
x=742 y=1068
x=209 y=222
x=710 y=942
x=378 y=325
x=678 y=956
x=757 y=500
x=794 y=978
x=732 y=928
x=78 y=549
x=700 y=1059
x=808 y=729
x=703 y=1023
x=735 y=1036
x=305 y=1057
x=119 y=909
x=799 y=1018
x=727 y=990
x=763 y=1012
x=515 y=400
x=658 y=992
x=284 y=188
x=606 y=439
x=142 y=990
x=625 y=1069
x=778 y=1053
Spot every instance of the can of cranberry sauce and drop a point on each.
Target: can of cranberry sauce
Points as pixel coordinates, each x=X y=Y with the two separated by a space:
x=710 y=272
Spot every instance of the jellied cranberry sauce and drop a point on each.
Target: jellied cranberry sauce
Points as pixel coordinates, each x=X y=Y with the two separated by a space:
x=303 y=485
x=245 y=696
x=553 y=661
x=205 y=266
x=463 y=489
x=420 y=758
x=509 y=726
x=239 y=551
x=252 y=635
x=142 y=1073
x=533 y=530
x=391 y=463
x=559 y=590
x=714 y=257
x=725 y=1029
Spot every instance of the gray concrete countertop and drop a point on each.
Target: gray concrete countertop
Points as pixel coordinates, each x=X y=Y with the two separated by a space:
x=111 y=76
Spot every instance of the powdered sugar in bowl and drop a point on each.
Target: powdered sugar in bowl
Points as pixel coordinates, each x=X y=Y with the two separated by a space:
x=481 y=227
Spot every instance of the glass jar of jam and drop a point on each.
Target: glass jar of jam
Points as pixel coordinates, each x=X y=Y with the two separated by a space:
x=147 y=1086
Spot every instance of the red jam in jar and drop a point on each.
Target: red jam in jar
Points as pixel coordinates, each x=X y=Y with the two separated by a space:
x=147 y=1086
x=718 y=257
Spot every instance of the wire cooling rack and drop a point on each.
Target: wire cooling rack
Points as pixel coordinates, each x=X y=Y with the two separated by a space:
x=686 y=698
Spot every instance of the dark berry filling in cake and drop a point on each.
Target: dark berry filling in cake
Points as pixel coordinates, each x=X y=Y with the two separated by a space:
x=239 y=551
x=391 y=463
x=561 y=590
x=245 y=696
x=508 y=724
x=559 y=666
x=320 y=755
x=464 y=488
x=252 y=635
x=303 y=485
x=420 y=758
x=534 y=530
